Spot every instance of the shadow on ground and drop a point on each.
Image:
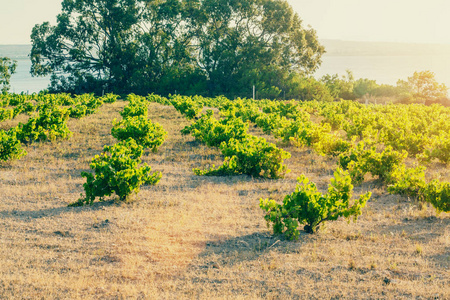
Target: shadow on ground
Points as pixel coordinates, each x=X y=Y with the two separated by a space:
x=52 y=212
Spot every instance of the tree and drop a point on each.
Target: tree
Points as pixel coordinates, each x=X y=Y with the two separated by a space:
x=109 y=44
x=174 y=46
x=422 y=86
x=241 y=43
x=340 y=87
x=307 y=89
x=7 y=68
x=364 y=87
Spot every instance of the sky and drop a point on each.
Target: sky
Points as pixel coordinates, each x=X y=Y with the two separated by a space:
x=411 y=21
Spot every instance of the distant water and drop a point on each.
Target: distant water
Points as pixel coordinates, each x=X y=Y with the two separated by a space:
x=385 y=62
x=386 y=69
x=365 y=60
x=21 y=81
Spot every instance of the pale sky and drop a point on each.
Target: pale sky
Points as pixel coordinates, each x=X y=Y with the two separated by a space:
x=417 y=21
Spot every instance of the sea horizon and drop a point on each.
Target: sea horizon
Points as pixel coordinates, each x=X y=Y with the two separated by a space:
x=384 y=62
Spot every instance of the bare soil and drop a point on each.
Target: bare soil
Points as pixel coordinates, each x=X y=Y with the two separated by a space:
x=194 y=237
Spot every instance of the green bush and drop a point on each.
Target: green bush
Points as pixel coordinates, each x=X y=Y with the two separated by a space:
x=186 y=106
x=158 y=99
x=309 y=207
x=331 y=144
x=78 y=111
x=440 y=148
x=10 y=147
x=137 y=106
x=408 y=181
x=117 y=171
x=252 y=156
x=109 y=98
x=50 y=124
x=438 y=194
x=142 y=130
x=6 y=114
x=360 y=161
x=212 y=132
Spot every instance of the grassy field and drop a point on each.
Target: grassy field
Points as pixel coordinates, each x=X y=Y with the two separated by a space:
x=194 y=237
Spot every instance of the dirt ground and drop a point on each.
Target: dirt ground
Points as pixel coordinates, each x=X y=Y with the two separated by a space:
x=192 y=237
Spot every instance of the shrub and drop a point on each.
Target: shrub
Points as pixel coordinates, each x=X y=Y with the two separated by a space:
x=187 y=106
x=158 y=99
x=6 y=114
x=142 y=130
x=309 y=207
x=438 y=194
x=360 y=161
x=409 y=182
x=77 y=111
x=10 y=147
x=137 y=106
x=109 y=98
x=50 y=124
x=116 y=171
x=330 y=144
x=252 y=156
x=439 y=149
x=212 y=132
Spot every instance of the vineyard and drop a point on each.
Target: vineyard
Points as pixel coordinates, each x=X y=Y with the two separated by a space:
x=193 y=197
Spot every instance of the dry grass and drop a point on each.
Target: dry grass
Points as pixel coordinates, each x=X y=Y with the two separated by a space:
x=201 y=237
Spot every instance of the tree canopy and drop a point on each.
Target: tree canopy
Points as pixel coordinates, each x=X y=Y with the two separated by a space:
x=7 y=68
x=422 y=87
x=206 y=47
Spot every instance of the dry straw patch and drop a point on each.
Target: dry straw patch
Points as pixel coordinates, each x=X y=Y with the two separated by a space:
x=201 y=237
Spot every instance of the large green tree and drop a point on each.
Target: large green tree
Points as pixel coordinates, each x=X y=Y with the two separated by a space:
x=168 y=46
x=117 y=45
x=241 y=43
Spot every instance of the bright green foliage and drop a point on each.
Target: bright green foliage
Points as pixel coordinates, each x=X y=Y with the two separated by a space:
x=439 y=149
x=11 y=105
x=411 y=182
x=186 y=106
x=134 y=110
x=335 y=120
x=303 y=133
x=92 y=103
x=239 y=108
x=331 y=144
x=137 y=106
x=64 y=99
x=212 y=132
x=142 y=130
x=109 y=98
x=78 y=111
x=408 y=181
x=10 y=147
x=288 y=109
x=117 y=171
x=270 y=123
x=6 y=114
x=50 y=124
x=158 y=99
x=252 y=156
x=360 y=161
x=438 y=194
x=82 y=105
x=309 y=207
x=26 y=107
